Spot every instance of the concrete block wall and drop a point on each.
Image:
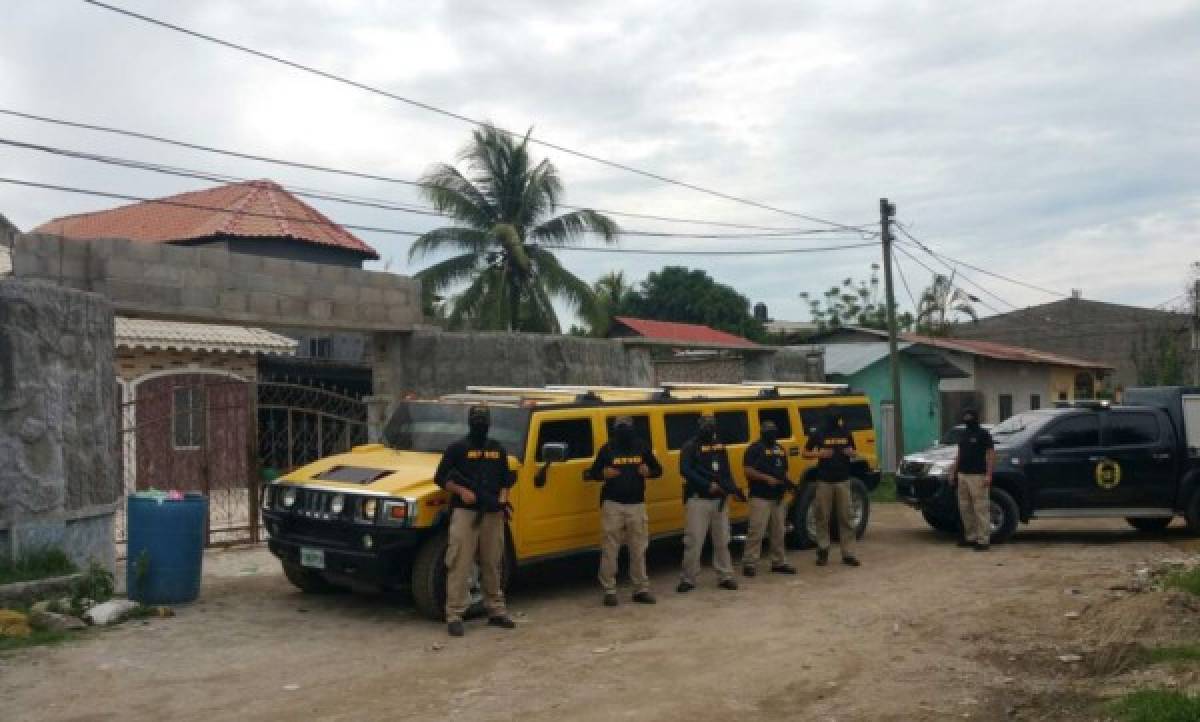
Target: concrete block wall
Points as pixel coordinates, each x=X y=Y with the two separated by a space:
x=215 y=285
x=58 y=438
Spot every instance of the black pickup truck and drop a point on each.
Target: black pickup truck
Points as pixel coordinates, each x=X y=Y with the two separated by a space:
x=1134 y=460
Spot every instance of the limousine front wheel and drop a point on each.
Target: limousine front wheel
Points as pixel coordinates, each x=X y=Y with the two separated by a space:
x=804 y=523
x=429 y=579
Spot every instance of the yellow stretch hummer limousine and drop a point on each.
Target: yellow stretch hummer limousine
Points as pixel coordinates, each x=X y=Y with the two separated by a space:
x=373 y=516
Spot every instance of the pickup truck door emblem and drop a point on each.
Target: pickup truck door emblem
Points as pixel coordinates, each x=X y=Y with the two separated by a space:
x=1108 y=474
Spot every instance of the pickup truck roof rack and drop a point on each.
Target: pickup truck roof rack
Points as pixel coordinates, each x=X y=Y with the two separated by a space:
x=1095 y=404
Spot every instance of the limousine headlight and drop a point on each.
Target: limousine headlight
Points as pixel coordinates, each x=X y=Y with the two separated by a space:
x=368 y=509
x=396 y=512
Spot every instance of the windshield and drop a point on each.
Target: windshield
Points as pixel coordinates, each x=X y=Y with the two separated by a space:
x=1017 y=426
x=432 y=426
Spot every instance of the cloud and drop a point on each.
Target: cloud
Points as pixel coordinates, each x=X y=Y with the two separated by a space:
x=1052 y=143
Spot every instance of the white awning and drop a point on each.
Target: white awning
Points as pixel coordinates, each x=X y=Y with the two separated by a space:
x=132 y=333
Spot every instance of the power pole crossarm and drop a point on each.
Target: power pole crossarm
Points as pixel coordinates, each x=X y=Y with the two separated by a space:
x=887 y=211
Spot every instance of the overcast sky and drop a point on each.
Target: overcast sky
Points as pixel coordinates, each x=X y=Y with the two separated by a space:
x=1058 y=143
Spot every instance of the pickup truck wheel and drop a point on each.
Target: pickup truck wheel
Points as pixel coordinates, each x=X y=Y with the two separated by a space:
x=804 y=526
x=1149 y=525
x=1005 y=515
x=309 y=581
x=429 y=579
x=1192 y=514
x=940 y=523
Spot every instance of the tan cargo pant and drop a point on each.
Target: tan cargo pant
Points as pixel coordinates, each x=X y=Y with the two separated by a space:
x=704 y=517
x=975 y=508
x=831 y=494
x=767 y=517
x=467 y=540
x=624 y=524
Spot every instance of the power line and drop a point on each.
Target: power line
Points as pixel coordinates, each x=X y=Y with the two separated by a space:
x=396 y=231
x=451 y=114
x=927 y=249
x=750 y=252
x=903 y=280
x=983 y=303
x=384 y=179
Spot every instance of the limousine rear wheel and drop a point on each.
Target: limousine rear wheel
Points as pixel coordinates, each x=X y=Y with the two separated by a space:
x=429 y=579
x=804 y=530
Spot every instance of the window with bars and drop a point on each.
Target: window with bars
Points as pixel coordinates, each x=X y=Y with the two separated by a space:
x=187 y=417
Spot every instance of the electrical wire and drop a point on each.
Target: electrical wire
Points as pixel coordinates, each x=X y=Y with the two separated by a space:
x=395 y=231
x=904 y=281
x=457 y=116
x=339 y=198
x=981 y=302
x=389 y=179
x=920 y=244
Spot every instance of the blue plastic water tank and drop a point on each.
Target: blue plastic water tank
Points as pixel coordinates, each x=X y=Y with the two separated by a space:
x=166 y=548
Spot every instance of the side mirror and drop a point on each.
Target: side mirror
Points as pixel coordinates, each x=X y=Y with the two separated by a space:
x=552 y=452
x=1044 y=441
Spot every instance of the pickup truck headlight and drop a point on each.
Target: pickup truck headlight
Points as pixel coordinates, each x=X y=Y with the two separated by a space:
x=940 y=468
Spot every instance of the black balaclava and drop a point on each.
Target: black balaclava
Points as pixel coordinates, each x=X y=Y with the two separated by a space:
x=708 y=429
x=479 y=420
x=970 y=419
x=622 y=432
x=770 y=433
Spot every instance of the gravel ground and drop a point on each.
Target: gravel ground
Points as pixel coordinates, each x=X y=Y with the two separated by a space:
x=923 y=631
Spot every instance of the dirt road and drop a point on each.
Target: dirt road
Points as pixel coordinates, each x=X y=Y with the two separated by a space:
x=923 y=631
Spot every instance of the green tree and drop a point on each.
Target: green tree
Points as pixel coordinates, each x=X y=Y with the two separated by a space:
x=853 y=303
x=941 y=305
x=692 y=296
x=612 y=293
x=504 y=238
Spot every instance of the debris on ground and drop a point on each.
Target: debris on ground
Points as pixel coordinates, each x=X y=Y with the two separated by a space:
x=55 y=622
x=14 y=624
x=113 y=611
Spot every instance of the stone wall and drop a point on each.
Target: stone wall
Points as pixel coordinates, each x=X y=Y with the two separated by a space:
x=430 y=363
x=58 y=478
x=215 y=285
x=8 y=232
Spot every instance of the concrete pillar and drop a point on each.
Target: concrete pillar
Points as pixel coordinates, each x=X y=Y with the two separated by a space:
x=379 y=410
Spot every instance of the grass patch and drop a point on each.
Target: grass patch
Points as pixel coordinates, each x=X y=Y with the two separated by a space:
x=38 y=638
x=1188 y=581
x=1181 y=653
x=886 y=491
x=1157 y=705
x=36 y=565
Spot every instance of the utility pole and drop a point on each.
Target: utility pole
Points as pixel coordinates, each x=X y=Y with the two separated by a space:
x=887 y=211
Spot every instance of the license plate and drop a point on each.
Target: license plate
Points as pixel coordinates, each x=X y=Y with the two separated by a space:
x=314 y=558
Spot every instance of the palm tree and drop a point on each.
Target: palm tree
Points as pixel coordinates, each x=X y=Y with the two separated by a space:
x=612 y=293
x=941 y=303
x=504 y=237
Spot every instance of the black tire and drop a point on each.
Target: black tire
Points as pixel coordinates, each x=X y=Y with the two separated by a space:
x=1009 y=513
x=429 y=579
x=800 y=536
x=940 y=523
x=309 y=581
x=1192 y=514
x=1150 y=525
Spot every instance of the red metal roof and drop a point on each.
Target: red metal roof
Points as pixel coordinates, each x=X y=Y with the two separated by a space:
x=691 y=333
x=251 y=209
x=1002 y=351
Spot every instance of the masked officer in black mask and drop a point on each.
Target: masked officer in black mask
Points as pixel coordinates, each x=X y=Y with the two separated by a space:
x=972 y=474
x=833 y=448
x=475 y=472
x=766 y=468
x=624 y=464
x=704 y=465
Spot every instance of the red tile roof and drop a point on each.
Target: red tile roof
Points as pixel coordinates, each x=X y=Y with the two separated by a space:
x=691 y=333
x=251 y=209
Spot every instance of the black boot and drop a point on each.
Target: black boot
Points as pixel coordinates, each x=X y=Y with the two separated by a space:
x=822 y=557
